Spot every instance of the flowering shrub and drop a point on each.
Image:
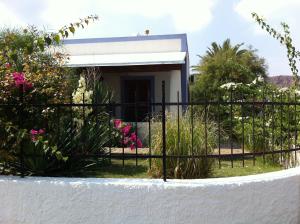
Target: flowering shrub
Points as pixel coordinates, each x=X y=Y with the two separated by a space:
x=128 y=135
x=36 y=133
x=28 y=65
x=82 y=95
x=20 y=80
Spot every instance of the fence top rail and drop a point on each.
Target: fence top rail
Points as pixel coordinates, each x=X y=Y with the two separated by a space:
x=199 y=103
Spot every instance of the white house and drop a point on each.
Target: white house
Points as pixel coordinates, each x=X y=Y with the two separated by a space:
x=136 y=66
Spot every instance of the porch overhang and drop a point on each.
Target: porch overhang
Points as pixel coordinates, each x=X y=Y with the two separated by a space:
x=163 y=58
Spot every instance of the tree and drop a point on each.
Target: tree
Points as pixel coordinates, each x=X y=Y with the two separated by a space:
x=223 y=64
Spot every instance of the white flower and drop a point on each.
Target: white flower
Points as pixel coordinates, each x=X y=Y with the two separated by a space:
x=80 y=93
x=260 y=79
x=257 y=80
x=283 y=90
x=230 y=85
x=297 y=92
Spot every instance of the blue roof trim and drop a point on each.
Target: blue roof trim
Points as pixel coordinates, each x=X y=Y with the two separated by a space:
x=182 y=37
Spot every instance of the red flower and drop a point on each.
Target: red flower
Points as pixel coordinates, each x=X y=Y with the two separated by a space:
x=139 y=143
x=33 y=132
x=42 y=131
x=118 y=123
x=126 y=129
x=20 y=80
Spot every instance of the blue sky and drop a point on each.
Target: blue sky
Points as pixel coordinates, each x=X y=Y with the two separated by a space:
x=204 y=21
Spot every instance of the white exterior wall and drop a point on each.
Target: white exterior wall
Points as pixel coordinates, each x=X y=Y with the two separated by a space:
x=266 y=198
x=124 y=47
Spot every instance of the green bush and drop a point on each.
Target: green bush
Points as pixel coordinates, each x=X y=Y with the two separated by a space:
x=184 y=168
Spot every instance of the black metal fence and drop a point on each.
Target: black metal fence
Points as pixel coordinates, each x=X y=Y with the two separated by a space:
x=232 y=130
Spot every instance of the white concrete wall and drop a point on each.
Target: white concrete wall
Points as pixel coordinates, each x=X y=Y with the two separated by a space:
x=272 y=198
x=124 y=47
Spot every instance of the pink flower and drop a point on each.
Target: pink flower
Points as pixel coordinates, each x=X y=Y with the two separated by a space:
x=139 y=143
x=42 y=131
x=135 y=140
x=33 y=138
x=133 y=137
x=126 y=129
x=132 y=146
x=20 y=80
x=125 y=141
x=33 y=132
x=118 y=123
x=7 y=65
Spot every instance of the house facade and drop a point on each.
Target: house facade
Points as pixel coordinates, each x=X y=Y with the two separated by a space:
x=134 y=67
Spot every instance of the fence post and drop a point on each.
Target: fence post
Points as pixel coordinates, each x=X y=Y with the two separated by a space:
x=164 y=131
x=20 y=111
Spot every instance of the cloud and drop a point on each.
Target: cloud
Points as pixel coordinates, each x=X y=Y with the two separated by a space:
x=274 y=11
x=184 y=16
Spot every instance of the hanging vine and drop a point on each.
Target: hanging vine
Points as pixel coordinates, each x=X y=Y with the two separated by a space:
x=285 y=39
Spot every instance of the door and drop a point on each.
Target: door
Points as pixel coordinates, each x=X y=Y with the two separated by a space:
x=139 y=91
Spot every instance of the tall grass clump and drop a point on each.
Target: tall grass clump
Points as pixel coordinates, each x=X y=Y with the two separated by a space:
x=181 y=144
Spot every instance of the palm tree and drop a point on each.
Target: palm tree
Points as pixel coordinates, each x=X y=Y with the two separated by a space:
x=223 y=63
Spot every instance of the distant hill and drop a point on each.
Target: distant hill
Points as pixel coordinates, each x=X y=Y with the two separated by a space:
x=281 y=80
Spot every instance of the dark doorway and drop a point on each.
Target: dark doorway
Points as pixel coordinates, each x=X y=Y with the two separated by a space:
x=139 y=91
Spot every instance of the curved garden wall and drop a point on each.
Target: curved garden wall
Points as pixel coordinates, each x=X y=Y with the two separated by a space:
x=265 y=198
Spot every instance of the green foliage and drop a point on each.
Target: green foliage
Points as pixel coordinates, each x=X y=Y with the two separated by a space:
x=27 y=57
x=184 y=168
x=285 y=39
x=222 y=64
x=40 y=156
x=31 y=51
x=79 y=141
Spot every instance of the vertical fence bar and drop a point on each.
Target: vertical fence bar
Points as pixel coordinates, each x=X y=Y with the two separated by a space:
x=164 y=131
x=205 y=130
x=253 y=129
x=21 y=109
x=136 y=127
x=243 y=132
x=295 y=131
x=231 y=128
x=110 y=126
x=192 y=124
x=149 y=127
x=281 y=127
x=264 y=128
x=219 y=131
x=83 y=107
x=289 y=127
x=273 y=128
x=178 y=130
x=123 y=150
x=58 y=126
x=83 y=117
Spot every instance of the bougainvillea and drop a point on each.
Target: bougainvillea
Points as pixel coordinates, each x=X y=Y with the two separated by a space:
x=128 y=135
x=21 y=82
x=36 y=133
